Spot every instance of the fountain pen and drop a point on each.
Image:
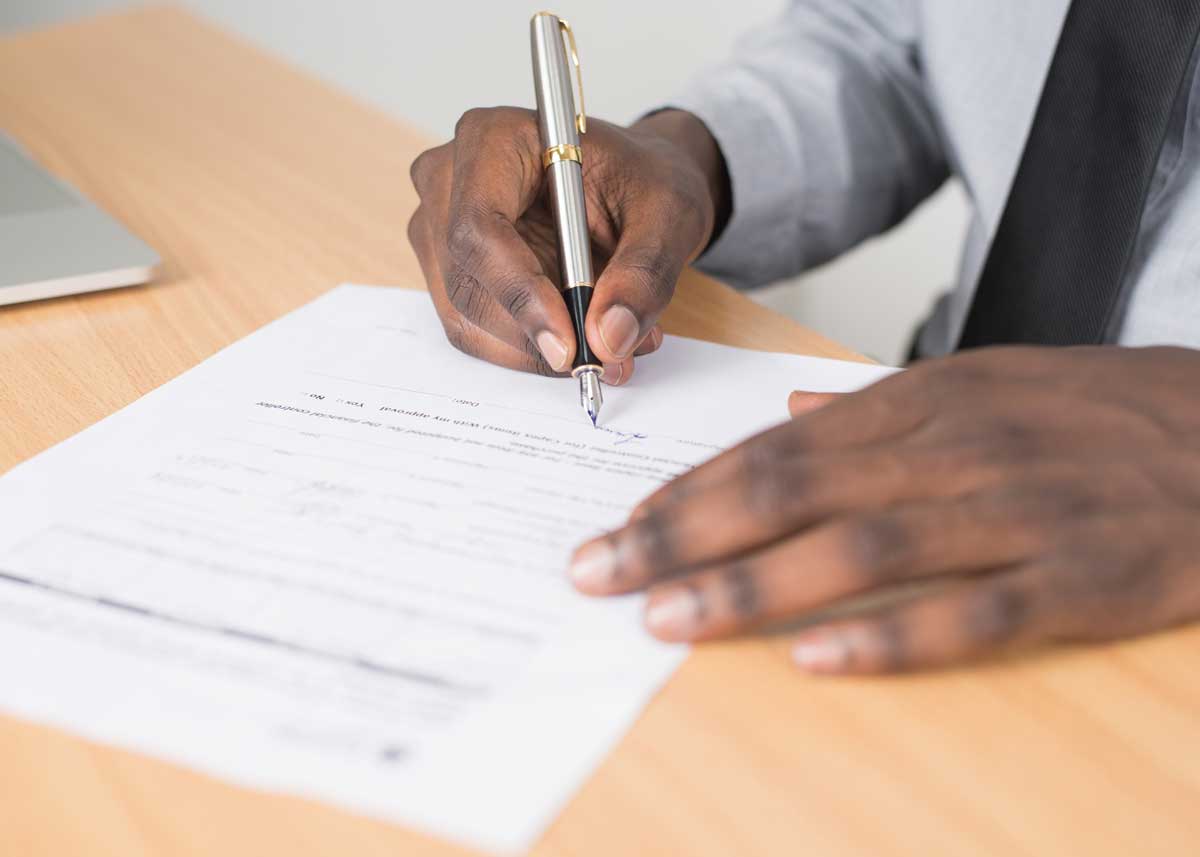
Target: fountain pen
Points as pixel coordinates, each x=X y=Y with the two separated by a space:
x=560 y=125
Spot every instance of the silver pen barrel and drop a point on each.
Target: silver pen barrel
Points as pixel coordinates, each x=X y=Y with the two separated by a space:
x=560 y=125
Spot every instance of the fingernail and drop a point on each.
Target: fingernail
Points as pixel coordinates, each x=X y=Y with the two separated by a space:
x=553 y=349
x=594 y=567
x=613 y=374
x=827 y=653
x=619 y=330
x=793 y=403
x=673 y=614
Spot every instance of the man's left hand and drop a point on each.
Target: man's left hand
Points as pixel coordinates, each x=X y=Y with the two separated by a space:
x=1048 y=494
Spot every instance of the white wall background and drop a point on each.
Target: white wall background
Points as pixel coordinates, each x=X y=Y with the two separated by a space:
x=427 y=62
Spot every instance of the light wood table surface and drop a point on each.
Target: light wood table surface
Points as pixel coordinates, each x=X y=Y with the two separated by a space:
x=262 y=188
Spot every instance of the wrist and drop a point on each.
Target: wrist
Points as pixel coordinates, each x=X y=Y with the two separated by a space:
x=687 y=133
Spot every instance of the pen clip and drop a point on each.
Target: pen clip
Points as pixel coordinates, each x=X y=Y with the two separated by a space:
x=581 y=116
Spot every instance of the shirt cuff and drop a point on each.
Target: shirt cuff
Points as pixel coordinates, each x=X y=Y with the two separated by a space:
x=762 y=241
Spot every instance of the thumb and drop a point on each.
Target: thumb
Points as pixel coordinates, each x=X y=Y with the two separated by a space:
x=802 y=402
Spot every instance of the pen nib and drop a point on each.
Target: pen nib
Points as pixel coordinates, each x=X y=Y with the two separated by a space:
x=589 y=393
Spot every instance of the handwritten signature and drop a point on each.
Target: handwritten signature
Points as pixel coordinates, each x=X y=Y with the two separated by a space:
x=622 y=436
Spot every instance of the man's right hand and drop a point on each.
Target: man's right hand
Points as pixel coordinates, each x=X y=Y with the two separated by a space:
x=485 y=235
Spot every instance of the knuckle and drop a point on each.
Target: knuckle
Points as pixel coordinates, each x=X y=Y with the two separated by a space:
x=779 y=488
x=465 y=295
x=767 y=487
x=418 y=169
x=881 y=546
x=424 y=167
x=653 y=544
x=516 y=296
x=996 y=614
x=768 y=453
x=465 y=238
x=888 y=649
x=414 y=228
x=519 y=302
x=471 y=121
x=741 y=590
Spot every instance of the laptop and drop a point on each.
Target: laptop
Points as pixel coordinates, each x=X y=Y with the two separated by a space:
x=54 y=242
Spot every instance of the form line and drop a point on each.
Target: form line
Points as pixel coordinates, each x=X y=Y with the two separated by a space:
x=414 y=676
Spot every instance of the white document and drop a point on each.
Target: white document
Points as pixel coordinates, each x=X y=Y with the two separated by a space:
x=330 y=561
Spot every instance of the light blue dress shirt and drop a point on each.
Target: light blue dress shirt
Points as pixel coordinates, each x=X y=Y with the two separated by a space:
x=840 y=116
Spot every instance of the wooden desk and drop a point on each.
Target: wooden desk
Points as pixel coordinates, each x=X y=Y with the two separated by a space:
x=262 y=188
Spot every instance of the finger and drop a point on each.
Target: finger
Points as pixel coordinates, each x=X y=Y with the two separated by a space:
x=428 y=172
x=970 y=619
x=463 y=333
x=617 y=374
x=418 y=237
x=471 y=317
x=489 y=258
x=849 y=556
x=635 y=287
x=652 y=342
x=496 y=177
x=801 y=402
x=761 y=505
x=476 y=341
x=429 y=169
x=880 y=413
x=472 y=320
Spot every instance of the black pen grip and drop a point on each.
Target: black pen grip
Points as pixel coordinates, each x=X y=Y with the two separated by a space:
x=578 y=299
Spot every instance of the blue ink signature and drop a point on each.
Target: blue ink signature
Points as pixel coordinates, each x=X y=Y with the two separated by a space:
x=622 y=436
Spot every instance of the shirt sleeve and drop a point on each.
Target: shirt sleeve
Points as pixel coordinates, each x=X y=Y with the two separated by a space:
x=827 y=130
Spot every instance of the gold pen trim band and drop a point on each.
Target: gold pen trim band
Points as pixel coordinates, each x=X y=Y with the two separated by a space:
x=588 y=367
x=562 y=152
x=579 y=285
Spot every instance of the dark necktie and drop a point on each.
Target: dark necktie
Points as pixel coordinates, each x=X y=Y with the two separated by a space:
x=1055 y=269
